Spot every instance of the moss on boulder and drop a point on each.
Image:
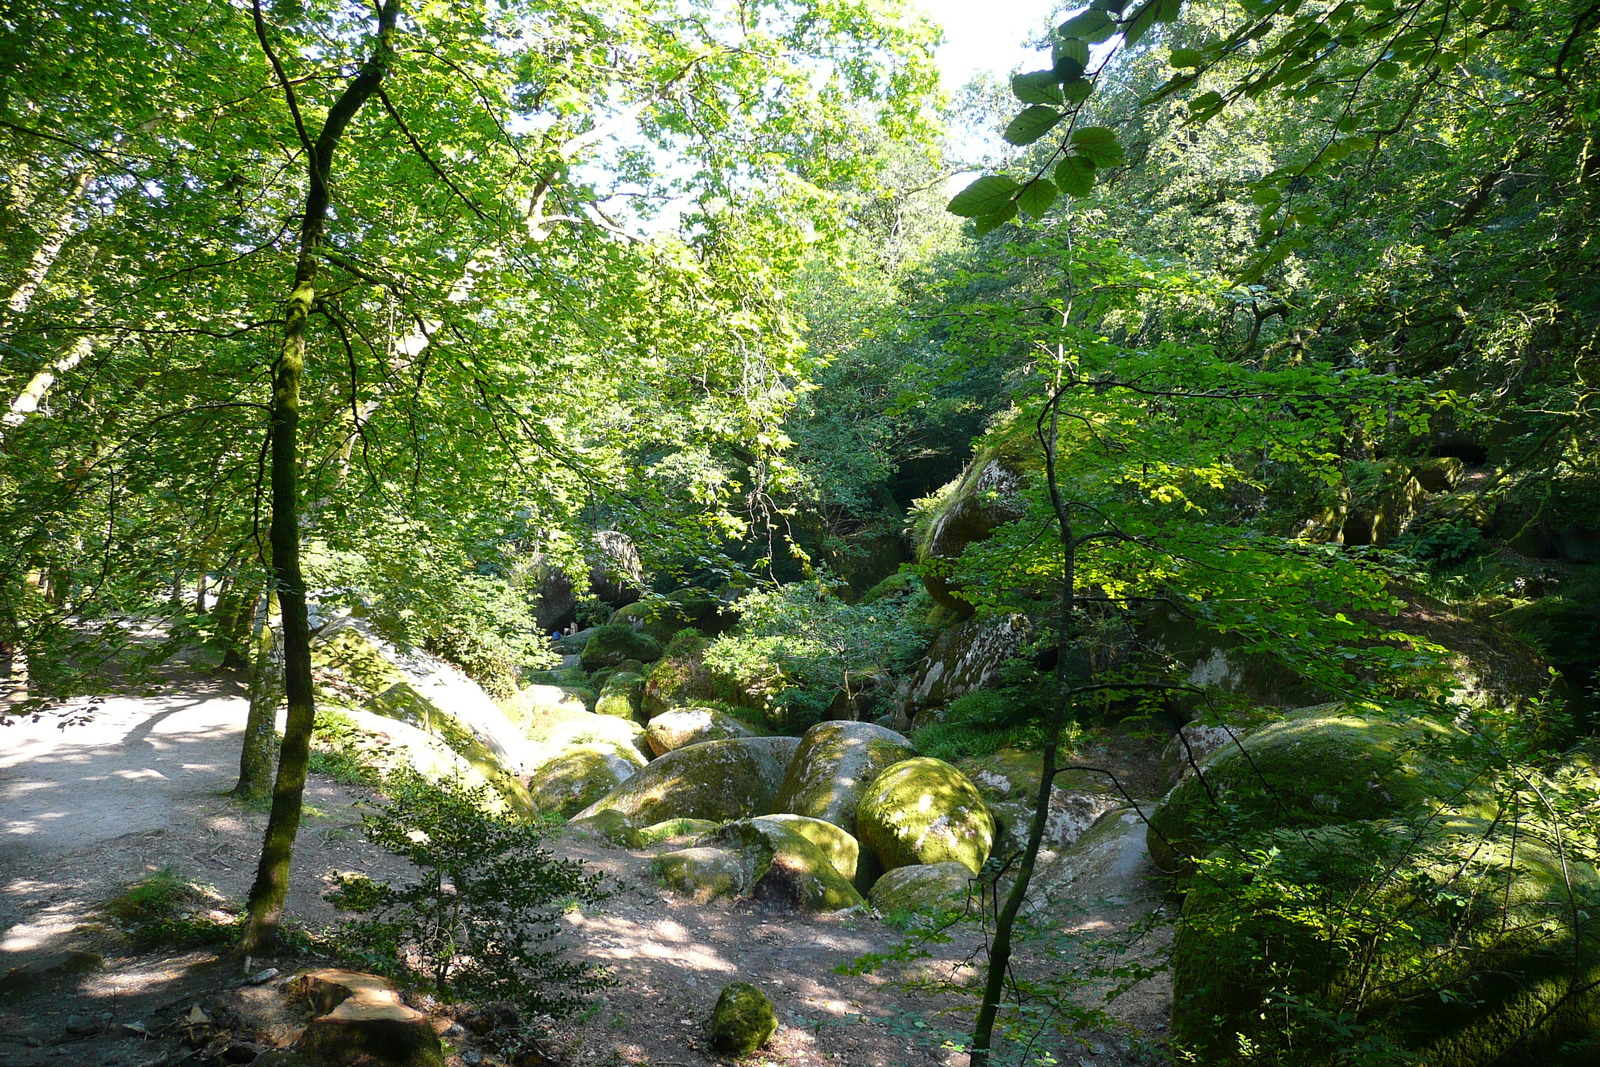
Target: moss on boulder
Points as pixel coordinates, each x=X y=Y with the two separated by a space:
x=533 y=702
x=690 y=726
x=840 y=846
x=612 y=826
x=703 y=873
x=743 y=1020
x=833 y=766
x=680 y=678
x=621 y=695
x=406 y=703
x=1329 y=764
x=613 y=644
x=717 y=780
x=783 y=867
x=969 y=509
x=581 y=775
x=924 y=889
x=388 y=745
x=671 y=829
x=924 y=810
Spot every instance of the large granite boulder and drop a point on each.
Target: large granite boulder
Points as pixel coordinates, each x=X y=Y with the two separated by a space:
x=581 y=775
x=968 y=510
x=495 y=750
x=931 y=889
x=1333 y=763
x=717 y=780
x=704 y=873
x=620 y=695
x=1008 y=780
x=967 y=657
x=783 y=867
x=833 y=766
x=690 y=726
x=390 y=746
x=924 y=810
x=680 y=678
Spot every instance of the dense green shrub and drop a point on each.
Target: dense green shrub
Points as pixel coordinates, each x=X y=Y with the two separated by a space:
x=485 y=900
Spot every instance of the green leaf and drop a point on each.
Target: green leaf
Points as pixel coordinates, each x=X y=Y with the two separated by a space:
x=1209 y=103
x=1032 y=124
x=1077 y=91
x=1266 y=195
x=989 y=194
x=1093 y=26
x=1099 y=145
x=1072 y=48
x=1075 y=175
x=1036 y=87
x=1037 y=196
x=1147 y=16
x=1186 y=57
x=1387 y=70
x=985 y=223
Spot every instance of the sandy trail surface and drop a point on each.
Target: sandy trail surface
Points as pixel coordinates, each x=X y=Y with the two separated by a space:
x=140 y=786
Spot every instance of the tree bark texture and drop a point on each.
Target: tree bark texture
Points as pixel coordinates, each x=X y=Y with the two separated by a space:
x=283 y=822
x=266 y=694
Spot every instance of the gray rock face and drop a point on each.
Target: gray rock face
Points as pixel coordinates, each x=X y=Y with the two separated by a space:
x=717 y=780
x=834 y=764
x=968 y=657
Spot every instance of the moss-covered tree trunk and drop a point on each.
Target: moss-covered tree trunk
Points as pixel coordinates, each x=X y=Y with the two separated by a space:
x=283 y=823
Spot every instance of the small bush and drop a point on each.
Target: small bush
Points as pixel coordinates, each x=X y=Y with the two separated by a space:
x=486 y=898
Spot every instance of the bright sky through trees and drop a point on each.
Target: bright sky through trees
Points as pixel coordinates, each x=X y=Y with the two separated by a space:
x=984 y=36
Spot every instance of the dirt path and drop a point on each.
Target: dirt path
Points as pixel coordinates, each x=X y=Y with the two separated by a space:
x=85 y=809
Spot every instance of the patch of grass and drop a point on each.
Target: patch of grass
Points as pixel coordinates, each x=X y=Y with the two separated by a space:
x=163 y=909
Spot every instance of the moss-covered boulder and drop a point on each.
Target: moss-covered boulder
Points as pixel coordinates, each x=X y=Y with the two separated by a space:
x=833 y=766
x=582 y=775
x=351 y=664
x=494 y=757
x=783 y=867
x=690 y=726
x=388 y=746
x=612 y=826
x=1496 y=960
x=621 y=695
x=1328 y=764
x=676 y=829
x=717 y=780
x=612 y=644
x=663 y=617
x=931 y=889
x=703 y=872
x=533 y=702
x=680 y=678
x=554 y=730
x=743 y=1020
x=924 y=810
x=841 y=847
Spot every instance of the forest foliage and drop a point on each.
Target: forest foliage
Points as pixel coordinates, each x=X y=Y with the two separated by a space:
x=1242 y=275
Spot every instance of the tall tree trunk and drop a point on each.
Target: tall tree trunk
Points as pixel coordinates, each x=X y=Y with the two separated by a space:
x=283 y=822
x=266 y=694
x=1005 y=922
